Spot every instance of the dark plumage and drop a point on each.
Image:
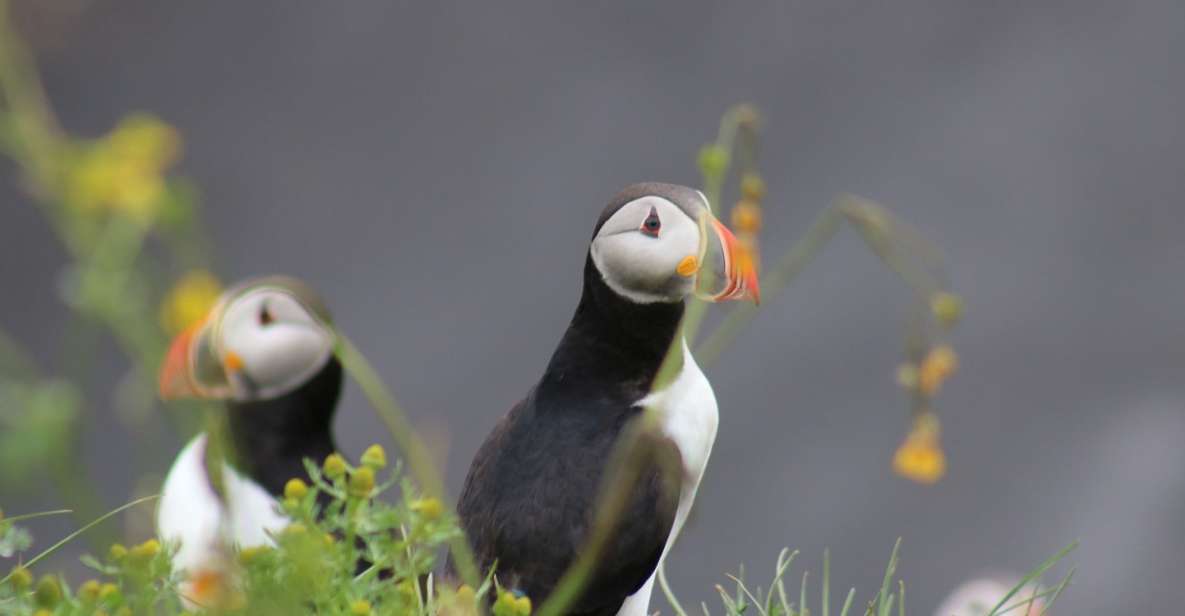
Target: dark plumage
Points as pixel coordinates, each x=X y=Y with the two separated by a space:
x=271 y=438
x=530 y=495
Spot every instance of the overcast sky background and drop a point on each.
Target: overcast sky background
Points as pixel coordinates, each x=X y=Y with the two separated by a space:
x=435 y=170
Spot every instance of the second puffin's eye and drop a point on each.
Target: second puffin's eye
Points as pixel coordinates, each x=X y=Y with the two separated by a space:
x=652 y=224
x=265 y=316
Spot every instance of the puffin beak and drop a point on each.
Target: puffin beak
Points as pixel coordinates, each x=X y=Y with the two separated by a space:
x=735 y=265
x=191 y=368
x=175 y=375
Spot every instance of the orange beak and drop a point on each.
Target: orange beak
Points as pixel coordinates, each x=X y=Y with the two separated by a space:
x=740 y=267
x=176 y=376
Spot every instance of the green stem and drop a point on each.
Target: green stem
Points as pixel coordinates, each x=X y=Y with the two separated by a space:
x=419 y=462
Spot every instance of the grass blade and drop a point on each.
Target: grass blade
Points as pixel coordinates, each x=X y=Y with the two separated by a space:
x=68 y=538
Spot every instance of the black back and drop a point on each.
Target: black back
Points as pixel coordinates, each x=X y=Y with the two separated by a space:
x=271 y=438
x=532 y=490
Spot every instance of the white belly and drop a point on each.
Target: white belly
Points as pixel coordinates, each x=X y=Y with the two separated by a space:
x=192 y=515
x=690 y=419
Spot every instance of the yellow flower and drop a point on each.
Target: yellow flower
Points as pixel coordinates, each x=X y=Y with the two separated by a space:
x=189 y=300
x=295 y=528
x=108 y=590
x=360 y=607
x=20 y=578
x=361 y=482
x=920 y=456
x=334 y=466
x=429 y=508
x=522 y=606
x=907 y=376
x=295 y=489
x=123 y=172
x=374 y=457
x=48 y=592
x=746 y=217
x=145 y=551
x=117 y=551
x=939 y=364
x=946 y=307
x=752 y=187
x=89 y=590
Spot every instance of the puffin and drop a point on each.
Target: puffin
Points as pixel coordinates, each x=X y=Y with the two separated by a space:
x=265 y=350
x=531 y=493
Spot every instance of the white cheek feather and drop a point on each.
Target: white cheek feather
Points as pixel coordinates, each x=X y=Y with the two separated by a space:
x=192 y=515
x=690 y=418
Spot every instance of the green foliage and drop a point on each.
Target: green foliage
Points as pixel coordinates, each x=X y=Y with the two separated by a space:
x=343 y=550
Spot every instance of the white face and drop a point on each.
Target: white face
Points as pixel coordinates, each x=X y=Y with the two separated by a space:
x=642 y=251
x=270 y=344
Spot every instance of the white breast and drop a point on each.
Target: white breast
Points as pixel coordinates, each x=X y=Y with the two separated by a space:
x=192 y=515
x=690 y=419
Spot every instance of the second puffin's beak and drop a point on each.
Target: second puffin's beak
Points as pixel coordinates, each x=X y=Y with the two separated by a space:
x=191 y=368
x=733 y=263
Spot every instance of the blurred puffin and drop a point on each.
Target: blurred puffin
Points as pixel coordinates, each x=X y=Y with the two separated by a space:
x=266 y=349
x=531 y=492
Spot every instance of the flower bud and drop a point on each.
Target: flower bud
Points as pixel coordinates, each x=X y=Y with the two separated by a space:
x=746 y=217
x=20 y=578
x=117 y=551
x=145 y=551
x=752 y=187
x=108 y=592
x=48 y=592
x=334 y=466
x=946 y=307
x=374 y=457
x=360 y=607
x=361 y=482
x=429 y=508
x=713 y=160
x=295 y=489
x=89 y=590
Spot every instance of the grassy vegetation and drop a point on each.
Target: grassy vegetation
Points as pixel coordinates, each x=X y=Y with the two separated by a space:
x=137 y=271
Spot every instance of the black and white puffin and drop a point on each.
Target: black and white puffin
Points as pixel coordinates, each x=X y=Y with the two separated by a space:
x=532 y=489
x=266 y=349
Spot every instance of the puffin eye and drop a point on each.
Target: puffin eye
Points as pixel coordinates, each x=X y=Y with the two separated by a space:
x=265 y=316
x=652 y=224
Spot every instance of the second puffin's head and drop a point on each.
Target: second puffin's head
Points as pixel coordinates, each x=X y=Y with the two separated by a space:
x=264 y=338
x=658 y=242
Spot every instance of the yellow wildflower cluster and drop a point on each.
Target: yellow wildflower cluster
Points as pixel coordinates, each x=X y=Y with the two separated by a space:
x=189 y=301
x=123 y=172
x=920 y=456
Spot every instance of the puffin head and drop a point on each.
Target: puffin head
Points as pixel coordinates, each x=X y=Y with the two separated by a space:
x=265 y=337
x=660 y=243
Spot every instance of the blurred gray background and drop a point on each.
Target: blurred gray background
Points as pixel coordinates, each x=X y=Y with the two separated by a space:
x=435 y=169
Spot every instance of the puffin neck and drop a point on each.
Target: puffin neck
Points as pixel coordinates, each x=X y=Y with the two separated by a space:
x=611 y=340
x=271 y=438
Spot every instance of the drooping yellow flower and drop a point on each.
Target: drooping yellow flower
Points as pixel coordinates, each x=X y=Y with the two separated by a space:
x=920 y=457
x=189 y=300
x=939 y=364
